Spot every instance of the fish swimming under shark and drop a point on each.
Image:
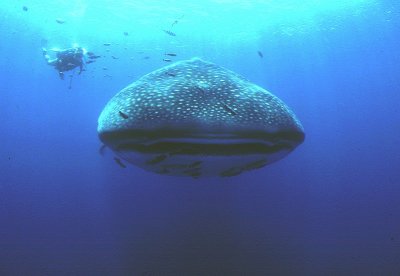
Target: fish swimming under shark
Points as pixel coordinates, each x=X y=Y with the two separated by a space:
x=204 y=121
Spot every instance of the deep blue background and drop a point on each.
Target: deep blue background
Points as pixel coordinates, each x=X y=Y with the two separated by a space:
x=332 y=207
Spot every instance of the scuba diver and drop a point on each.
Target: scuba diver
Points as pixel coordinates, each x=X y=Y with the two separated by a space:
x=69 y=59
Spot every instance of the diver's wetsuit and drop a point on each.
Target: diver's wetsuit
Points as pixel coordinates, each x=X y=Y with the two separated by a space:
x=66 y=60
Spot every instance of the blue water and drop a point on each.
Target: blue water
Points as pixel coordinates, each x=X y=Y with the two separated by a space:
x=329 y=208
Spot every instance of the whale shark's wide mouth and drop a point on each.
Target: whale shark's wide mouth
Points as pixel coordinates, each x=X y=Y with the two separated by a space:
x=180 y=142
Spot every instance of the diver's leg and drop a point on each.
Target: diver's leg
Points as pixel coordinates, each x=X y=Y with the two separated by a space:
x=52 y=62
x=45 y=55
x=61 y=74
x=48 y=60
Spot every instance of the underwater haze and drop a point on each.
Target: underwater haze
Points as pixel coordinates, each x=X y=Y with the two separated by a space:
x=331 y=207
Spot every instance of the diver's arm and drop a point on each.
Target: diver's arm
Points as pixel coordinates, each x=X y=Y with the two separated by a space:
x=51 y=62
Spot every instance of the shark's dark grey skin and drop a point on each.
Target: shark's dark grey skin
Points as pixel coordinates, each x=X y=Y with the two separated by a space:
x=194 y=118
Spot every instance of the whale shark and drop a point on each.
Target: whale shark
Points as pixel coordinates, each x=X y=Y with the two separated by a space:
x=195 y=118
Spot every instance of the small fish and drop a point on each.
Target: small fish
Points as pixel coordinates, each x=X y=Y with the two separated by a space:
x=146 y=57
x=255 y=165
x=195 y=164
x=106 y=44
x=200 y=89
x=60 y=20
x=105 y=68
x=170 y=54
x=25 y=8
x=114 y=57
x=174 y=166
x=119 y=162
x=157 y=159
x=170 y=74
x=195 y=173
x=231 y=172
x=90 y=61
x=126 y=33
x=176 y=21
x=228 y=109
x=123 y=115
x=260 y=54
x=94 y=57
x=167 y=59
x=169 y=33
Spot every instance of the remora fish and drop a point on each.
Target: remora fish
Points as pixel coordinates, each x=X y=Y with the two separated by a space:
x=119 y=162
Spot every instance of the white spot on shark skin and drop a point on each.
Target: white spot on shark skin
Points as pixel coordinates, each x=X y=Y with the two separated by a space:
x=205 y=114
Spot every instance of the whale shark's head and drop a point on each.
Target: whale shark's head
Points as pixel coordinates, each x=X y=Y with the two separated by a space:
x=194 y=118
